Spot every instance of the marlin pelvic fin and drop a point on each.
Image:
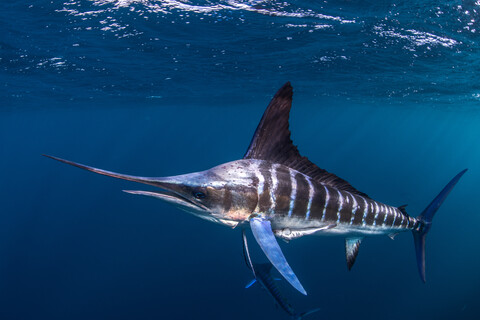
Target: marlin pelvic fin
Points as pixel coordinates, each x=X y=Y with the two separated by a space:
x=272 y=142
x=262 y=231
x=425 y=223
x=351 y=250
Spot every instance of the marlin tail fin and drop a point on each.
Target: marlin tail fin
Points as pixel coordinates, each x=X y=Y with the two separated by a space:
x=425 y=223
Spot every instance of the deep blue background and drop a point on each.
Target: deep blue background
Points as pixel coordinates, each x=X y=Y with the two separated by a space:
x=386 y=96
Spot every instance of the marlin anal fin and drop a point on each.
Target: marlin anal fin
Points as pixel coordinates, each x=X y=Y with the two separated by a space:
x=403 y=209
x=262 y=231
x=351 y=250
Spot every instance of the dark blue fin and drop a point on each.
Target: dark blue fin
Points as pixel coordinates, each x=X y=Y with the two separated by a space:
x=403 y=209
x=262 y=231
x=304 y=314
x=425 y=220
x=246 y=253
x=351 y=250
x=250 y=283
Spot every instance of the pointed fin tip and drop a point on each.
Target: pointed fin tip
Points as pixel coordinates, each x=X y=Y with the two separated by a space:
x=403 y=209
x=352 y=246
x=429 y=212
x=285 y=89
x=419 y=237
x=272 y=142
x=304 y=314
x=262 y=231
x=419 y=241
x=251 y=283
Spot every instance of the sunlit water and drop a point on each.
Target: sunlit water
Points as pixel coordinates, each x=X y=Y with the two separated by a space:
x=386 y=96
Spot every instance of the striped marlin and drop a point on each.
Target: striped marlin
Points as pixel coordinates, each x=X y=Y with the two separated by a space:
x=280 y=193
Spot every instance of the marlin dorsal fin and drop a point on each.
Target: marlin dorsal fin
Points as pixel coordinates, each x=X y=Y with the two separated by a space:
x=272 y=142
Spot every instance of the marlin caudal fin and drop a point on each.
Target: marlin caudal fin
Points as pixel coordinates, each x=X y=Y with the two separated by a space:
x=425 y=223
x=262 y=231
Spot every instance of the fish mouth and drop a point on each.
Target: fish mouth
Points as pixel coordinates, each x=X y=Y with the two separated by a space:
x=173 y=198
x=171 y=186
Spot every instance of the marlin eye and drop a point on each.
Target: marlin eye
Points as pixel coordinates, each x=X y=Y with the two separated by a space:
x=199 y=195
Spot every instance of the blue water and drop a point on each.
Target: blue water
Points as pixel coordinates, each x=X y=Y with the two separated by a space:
x=386 y=96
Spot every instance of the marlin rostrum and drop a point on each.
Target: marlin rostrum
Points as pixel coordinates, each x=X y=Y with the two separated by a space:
x=281 y=193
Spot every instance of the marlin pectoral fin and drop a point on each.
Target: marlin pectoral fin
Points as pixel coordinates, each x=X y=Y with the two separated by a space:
x=262 y=231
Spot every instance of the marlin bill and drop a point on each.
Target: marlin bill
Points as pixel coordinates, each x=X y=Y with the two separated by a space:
x=279 y=193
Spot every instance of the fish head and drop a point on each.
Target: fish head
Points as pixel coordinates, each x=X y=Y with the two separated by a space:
x=226 y=194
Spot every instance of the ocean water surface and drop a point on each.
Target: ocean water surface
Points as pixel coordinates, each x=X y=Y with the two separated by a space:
x=386 y=96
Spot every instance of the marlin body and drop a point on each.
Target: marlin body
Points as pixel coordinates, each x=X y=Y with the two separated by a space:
x=298 y=205
x=280 y=193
